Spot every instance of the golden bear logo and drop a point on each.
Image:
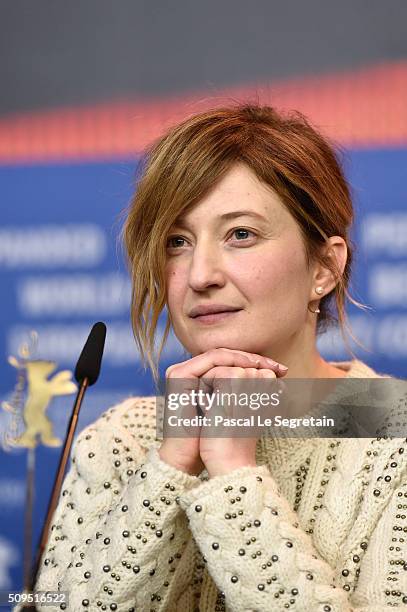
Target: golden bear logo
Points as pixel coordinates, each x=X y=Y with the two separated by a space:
x=40 y=391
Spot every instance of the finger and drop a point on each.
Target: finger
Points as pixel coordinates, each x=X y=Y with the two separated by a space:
x=260 y=373
x=212 y=378
x=226 y=372
x=220 y=378
x=235 y=372
x=200 y=364
x=270 y=362
x=268 y=374
x=263 y=373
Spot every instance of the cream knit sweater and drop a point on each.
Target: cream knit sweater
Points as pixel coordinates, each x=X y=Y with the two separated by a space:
x=318 y=525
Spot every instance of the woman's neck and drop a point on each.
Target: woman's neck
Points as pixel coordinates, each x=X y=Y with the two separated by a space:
x=315 y=367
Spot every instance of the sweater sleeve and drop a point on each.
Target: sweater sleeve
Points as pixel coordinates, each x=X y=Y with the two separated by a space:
x=255 y=550
x=116 y=525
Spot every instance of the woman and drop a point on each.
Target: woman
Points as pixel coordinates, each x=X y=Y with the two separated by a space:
x=242 y=212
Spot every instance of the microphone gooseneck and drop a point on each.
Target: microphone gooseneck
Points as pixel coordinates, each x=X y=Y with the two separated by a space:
x=86 y=374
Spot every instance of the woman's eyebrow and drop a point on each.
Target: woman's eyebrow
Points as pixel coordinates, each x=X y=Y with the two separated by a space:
x=242 y=213
x=226 y=216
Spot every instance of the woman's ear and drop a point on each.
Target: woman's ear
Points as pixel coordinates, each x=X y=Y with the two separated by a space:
x=337 y=250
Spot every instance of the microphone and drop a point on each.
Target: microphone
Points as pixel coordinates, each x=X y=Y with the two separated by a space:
x=90 y=359
x=86 y=374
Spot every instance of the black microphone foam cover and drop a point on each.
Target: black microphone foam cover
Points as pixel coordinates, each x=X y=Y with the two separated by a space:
x=90 y=359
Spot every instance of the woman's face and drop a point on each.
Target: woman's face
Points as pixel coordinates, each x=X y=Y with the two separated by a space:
x=238 y=247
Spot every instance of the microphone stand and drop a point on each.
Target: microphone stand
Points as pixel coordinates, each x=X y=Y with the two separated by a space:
x=56 y=491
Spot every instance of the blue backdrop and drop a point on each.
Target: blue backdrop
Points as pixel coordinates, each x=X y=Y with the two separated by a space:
x=61 y=270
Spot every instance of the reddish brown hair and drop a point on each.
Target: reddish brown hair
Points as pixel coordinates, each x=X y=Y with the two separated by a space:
x=284 y=151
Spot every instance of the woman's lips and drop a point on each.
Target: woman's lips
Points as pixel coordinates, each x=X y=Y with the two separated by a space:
x=215 y=317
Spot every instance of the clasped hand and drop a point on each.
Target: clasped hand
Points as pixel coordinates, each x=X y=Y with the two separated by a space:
x=217 y=455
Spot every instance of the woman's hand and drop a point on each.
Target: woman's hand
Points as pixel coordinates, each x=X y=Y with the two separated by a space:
x=185 y=453
x=222 y=455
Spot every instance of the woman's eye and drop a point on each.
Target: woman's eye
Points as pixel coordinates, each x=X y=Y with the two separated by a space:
x=242 y=233
x=171 y=242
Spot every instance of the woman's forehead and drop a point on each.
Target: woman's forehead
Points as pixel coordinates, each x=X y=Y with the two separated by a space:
x=239 y=193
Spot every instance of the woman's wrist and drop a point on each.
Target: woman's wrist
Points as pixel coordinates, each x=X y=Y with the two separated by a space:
x=188 y=469
x=220 y=469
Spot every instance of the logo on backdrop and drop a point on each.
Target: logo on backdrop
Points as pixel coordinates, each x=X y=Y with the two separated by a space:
x=34 y=384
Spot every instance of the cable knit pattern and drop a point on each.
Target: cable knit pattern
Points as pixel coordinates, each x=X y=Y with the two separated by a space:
x=318 y=526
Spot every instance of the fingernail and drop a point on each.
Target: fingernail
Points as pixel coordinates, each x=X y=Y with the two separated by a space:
x=271 y=362
x=282 y=367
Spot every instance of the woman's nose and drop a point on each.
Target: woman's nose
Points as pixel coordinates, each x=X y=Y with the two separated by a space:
x=206 y=269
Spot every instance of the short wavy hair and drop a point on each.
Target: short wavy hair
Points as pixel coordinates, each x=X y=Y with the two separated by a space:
x=284 y=151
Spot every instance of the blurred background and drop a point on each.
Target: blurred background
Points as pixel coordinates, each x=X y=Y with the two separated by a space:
x=85 y=86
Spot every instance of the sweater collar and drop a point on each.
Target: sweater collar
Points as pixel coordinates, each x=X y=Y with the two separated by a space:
x=355 y=369
x=284 y=452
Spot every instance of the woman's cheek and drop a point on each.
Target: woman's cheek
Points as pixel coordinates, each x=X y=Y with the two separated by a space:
x=176 y=280
x=263 y=278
